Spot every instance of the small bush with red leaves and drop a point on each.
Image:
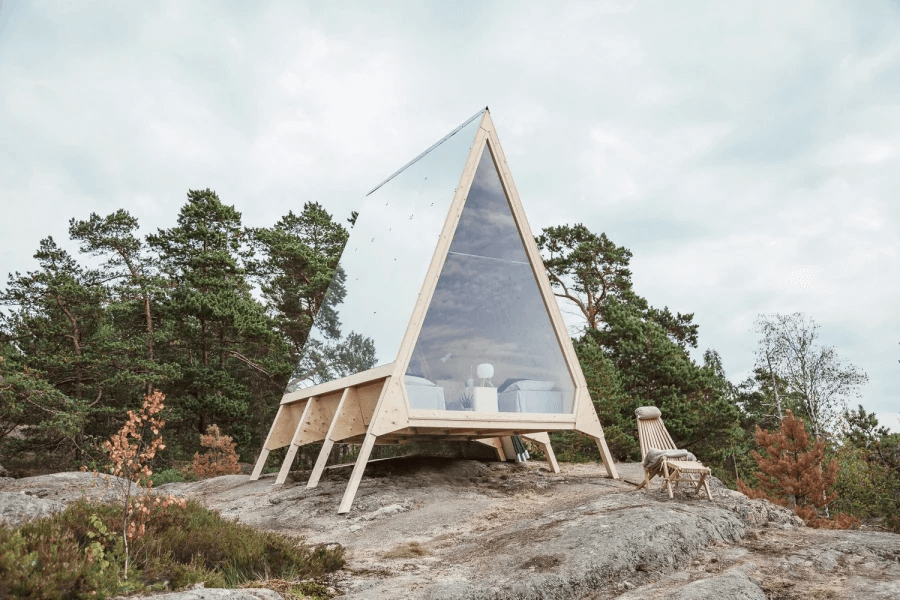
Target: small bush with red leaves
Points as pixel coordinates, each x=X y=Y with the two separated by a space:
x=792 y=473
x=219 y=459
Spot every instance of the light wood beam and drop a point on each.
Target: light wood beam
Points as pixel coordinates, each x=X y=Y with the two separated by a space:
x=350 y=493
x=264 y=453
x=295 y=443
x=543 y=440
x=340 y=414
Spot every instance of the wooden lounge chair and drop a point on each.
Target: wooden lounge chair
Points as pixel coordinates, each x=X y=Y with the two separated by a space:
x=653 y=435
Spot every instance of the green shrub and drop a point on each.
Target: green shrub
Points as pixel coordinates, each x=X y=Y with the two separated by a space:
x=167 y=476
x=78 y=553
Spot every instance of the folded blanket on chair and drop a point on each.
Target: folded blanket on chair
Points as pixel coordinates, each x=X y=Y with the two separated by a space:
x=654 y=456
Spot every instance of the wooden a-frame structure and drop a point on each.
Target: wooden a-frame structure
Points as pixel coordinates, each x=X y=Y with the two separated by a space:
x=372 y=407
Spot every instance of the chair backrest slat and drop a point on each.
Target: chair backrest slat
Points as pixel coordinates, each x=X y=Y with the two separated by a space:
x=653 y=434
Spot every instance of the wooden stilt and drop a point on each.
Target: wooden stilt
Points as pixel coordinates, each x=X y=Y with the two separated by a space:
x=327 y=445
x=350 y=493
x=543 y=440
x=260 y=463
x=295 y=443
x=607 y=457
x=588 y=423
x=264 y=453
x=496 y=445
x=347 y=421
x=508 y=449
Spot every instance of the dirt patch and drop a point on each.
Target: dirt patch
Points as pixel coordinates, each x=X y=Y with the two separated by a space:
x=542 y=562
x=409 y=550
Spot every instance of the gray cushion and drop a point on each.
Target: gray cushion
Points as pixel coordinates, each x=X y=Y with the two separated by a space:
x=647 y=412
x=654 y=456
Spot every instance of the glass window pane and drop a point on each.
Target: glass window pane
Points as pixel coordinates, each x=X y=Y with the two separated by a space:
x=370 y=301
x=487 y=315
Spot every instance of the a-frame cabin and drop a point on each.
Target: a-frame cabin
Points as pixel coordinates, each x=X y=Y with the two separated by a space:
x=439 y=293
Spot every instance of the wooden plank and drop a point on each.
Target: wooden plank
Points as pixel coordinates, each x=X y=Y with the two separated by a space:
x=350 y=493
x=451 y=416
x=320 y=417
x=368 y=396
x=543 y=440
x=496 y=445
x=391 y=412
x=264 y=453
x=321 y=461
x=339 y=384
x=490 y=427
x=285 y=426
x=292 y=450
x=348 y=419
x=341 y=413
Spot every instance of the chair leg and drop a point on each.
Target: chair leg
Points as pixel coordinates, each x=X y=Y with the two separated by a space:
x=646 y=482
x=700 y=482
x=668 y=479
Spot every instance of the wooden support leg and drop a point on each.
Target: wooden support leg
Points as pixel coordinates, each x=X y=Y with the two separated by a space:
x=543 y=440
x=260 y=463
x=264 y=453
x=350 y=493
x=508 y=448
x=286 y=465
x=700 y=483
x=668 y=479
x=646 y=482
x=327 y=445
x=496 y=445
x=292 y=450
x=607 y=458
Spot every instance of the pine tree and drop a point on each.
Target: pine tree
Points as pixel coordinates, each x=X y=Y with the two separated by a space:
x=52 y=336
x=647 y=346
x=298 y=258
x=227 y=352
x=134 y=292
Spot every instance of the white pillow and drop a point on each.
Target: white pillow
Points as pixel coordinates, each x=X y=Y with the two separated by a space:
x=530 y=385
x=647 y=412
x=413 y=380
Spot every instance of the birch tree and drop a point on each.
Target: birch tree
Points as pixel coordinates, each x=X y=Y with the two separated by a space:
x=790 y=352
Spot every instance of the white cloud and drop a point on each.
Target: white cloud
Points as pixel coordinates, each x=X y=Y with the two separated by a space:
x=747 y=155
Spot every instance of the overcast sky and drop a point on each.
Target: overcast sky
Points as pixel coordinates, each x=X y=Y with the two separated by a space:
x=747 y=153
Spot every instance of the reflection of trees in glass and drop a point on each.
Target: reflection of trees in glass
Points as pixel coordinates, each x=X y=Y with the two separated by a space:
x=294 y=267
x=326 y=361
x=326 y=356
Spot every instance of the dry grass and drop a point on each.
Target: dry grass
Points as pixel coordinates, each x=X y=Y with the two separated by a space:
x=293 y=590
x=409 y=550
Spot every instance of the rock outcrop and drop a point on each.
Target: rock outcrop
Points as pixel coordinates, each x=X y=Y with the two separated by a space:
x=453 y=529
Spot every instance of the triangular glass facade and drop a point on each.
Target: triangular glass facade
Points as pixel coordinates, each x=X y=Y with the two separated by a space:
x=370 y=302
x=487 y=343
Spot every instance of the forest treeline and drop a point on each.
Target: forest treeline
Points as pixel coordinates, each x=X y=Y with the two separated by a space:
x=215 y=315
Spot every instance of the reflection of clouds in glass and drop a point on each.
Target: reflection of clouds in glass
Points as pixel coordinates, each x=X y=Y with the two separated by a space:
x=386 y=260
x=486 y=226
x=487 y=307
x=488 y=311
